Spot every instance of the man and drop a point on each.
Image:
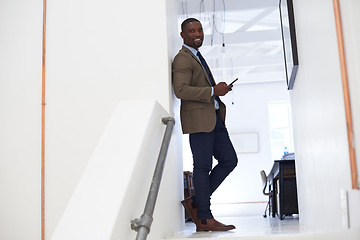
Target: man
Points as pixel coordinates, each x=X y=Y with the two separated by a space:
x=202 y=115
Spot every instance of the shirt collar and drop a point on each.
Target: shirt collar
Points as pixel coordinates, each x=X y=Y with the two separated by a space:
x=193 y=50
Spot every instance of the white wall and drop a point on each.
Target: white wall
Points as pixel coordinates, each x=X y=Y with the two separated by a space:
x=98 y=53
x=249 y=113
x=20 y=118
x=321 y=145
x=350 y=18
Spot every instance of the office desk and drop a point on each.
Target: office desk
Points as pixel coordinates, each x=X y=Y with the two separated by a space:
x=282 y=181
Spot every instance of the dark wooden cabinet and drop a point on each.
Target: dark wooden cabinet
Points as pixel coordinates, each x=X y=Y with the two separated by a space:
x=282 y=181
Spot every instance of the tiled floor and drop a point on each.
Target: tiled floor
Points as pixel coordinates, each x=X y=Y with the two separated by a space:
x=253 y=227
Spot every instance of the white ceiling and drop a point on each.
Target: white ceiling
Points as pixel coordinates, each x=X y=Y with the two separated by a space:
x=250 y=30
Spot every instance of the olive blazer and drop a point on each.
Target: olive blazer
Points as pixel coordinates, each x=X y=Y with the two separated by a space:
x=192 y=85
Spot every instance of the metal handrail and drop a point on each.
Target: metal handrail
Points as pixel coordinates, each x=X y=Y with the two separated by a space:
x=142 y=225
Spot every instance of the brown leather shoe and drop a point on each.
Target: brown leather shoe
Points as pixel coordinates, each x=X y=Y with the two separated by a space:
x=190 y=205
x=212 y=225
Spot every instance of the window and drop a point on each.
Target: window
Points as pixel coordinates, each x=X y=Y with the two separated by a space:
x=281 y=130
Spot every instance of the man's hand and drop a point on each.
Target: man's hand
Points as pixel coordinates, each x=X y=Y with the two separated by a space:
x=222 y=89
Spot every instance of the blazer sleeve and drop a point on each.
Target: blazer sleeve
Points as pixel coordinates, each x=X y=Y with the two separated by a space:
x=188 y=79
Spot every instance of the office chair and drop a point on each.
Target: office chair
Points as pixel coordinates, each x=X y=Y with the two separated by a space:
x=269 y=194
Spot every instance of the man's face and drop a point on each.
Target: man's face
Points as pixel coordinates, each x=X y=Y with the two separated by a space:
x=193 y=35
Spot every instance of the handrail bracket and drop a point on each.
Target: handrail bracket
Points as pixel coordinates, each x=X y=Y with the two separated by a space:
x=144 y=221
x=165 y=120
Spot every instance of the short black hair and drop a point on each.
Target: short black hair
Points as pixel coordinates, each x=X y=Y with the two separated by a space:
x=186 y=21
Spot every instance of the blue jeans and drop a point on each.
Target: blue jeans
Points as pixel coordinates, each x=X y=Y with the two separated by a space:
x=206 y=180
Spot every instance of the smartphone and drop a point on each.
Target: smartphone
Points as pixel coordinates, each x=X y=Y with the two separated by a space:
x=233 y=81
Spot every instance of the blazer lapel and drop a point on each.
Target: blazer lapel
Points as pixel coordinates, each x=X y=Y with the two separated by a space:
x=196 y=59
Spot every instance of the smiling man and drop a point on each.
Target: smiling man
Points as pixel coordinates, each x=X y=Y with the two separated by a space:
x=202 y=116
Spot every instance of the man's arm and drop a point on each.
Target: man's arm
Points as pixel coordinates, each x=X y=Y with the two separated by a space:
x=185 y=86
